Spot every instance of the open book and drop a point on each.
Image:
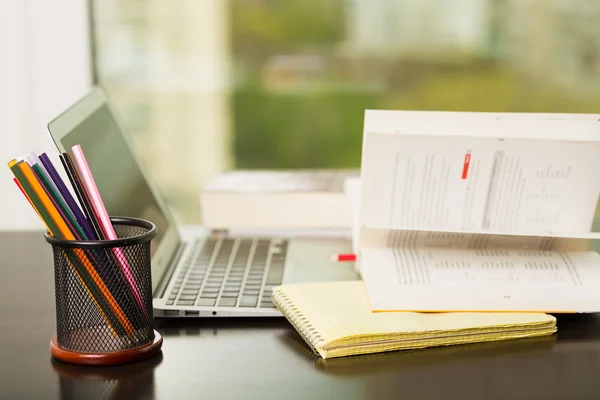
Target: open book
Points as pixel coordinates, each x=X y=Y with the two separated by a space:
x=335 y=320
x=479 y=211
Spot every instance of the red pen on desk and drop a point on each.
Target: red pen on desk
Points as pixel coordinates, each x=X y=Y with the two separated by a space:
x=343 y=257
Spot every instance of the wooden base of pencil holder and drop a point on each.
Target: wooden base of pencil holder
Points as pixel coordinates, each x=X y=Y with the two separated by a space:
x=121 y=357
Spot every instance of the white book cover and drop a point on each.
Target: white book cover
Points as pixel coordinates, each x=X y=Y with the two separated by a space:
x=277 y=199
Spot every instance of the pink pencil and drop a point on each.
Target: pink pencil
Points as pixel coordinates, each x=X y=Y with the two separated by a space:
x=106 y=225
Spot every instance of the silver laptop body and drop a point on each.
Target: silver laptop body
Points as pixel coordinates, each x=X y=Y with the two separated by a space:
x=195 y=272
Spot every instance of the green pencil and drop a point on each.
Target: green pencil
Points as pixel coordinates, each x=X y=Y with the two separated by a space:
x=95 y=293
x=59 y=201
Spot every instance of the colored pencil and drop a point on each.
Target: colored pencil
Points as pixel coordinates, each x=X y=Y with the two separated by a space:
x=106 y=224
x=79 y=192
x=111 y=257
x=62 y=187
x=52 y=189
x=62 y=231
x=101 y=259
x=53 y=230
x=60 y=206
x=29 y=200
x=39 y=206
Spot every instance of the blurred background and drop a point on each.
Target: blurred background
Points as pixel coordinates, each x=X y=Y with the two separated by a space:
x=205 y=86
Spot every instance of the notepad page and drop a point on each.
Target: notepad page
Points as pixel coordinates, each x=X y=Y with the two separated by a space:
x=341 y=309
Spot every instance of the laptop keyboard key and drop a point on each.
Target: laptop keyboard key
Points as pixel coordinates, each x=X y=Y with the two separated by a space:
x=252 y=286
x=274 y=278
x=191 y=286
x=212 y=285
x=266 y=297
x=209 y=272
x=275 y=275
x=227 y=302
x=206 y=302
x=185 y=302
x=248 y=301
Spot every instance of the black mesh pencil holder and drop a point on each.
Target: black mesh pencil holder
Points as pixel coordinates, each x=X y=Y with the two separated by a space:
x=104 y=296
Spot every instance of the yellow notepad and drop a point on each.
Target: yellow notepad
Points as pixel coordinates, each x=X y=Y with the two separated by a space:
x=335 y=319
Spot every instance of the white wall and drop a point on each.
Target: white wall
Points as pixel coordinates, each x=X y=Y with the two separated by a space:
x=45 y=66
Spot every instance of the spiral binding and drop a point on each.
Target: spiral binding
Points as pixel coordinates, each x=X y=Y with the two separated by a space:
x=294 y=315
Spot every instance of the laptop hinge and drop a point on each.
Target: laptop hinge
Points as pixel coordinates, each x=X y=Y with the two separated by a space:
x=162 y=286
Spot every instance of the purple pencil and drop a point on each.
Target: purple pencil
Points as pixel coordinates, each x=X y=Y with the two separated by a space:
x=85 y=225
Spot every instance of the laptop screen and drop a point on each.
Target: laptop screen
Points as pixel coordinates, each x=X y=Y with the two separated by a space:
x=124 y=189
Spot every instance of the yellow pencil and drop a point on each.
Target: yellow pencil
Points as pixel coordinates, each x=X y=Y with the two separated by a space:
x=65 y=233
x=104 y=316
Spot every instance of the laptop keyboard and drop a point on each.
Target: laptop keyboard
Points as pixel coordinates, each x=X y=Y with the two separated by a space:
x=230 y=272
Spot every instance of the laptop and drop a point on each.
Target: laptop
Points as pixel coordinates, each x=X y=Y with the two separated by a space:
x=195 y=272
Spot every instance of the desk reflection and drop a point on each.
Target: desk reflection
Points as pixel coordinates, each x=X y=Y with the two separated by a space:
x=127 y=381
x=373 y=364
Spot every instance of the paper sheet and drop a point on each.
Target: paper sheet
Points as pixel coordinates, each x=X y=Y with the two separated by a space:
x=453 y=183
x=422 y=279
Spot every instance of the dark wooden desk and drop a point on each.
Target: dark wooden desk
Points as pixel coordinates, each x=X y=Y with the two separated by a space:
x=261 y=359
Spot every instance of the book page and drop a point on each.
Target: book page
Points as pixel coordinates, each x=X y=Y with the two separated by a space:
x=553 y=126
x=352 y=190
x=495 y=184
x=422 y=279
x=474 y=240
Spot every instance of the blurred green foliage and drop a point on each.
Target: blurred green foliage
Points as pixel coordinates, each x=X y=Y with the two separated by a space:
x=261 y=28
x=322 y=127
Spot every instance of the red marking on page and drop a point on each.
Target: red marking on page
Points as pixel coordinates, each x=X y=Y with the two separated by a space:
x=465 y=171
x=343 y=257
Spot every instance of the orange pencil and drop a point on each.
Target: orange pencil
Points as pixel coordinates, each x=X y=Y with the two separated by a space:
x=29 y=200
x=13 y=166
x=65 y=233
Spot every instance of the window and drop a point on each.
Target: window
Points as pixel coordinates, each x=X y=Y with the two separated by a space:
x=211 y=85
